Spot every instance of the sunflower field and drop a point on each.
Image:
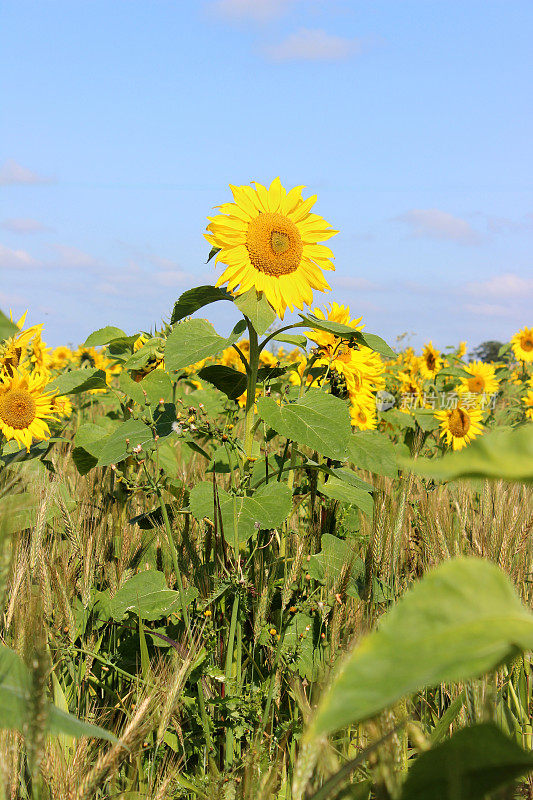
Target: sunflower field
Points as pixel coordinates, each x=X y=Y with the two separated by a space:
x=289 y=563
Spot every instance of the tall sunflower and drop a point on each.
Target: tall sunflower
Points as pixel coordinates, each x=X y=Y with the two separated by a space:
x=482 y=378
x=269 y=239
x=522 y=343
x=431 y=362
x=24 y=407
x=460 y=425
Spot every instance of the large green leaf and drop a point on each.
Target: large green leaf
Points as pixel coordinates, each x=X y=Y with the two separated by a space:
x=104 y=336
x=88 y=443
x=15 y=683
x=113 y=448
x=499 y=454
x=317 y=420
x=7 y=328
x=192 y=341
x=461 y=620
x=78 y=380
x=268 y=508
x=346 y=332
x=194 y=299
x=255 y=306
x=147 y=595
x=155 y=386
x=21 y=511
x=373 y=451
x=226 y=379
x=473 y=762
x=335 y=554
x=338 y=489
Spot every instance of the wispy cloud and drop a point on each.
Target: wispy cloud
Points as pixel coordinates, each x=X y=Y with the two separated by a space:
x=16 y=259
x=72 y=257
x=508 y=284
x=488 y=310
x=436 y=224
x=23 y=225
x=354 y=283
x=255 y=10
x=314 y=45
x=172 y=278
x=13 y=173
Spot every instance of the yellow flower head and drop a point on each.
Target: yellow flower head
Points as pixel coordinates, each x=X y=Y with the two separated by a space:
x=61 y=356
x=483 y=380
x=522 y=343
x=363 y=414
x=528 y=402
x=431 y=362
x=61 y=405
x=460 y=425
x=24 y=407
x=13 y=351
x=269 y=239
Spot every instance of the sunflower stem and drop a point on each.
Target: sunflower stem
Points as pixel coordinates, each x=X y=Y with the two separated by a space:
x=250 y=390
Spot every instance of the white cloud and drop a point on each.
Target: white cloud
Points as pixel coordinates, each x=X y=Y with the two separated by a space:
x=255 y=10
x=314 y=45
x=508 y=284
x=23 y=225
x=12 y=173
x=16 y=259
x=71 y=257
x=436 y=224
x=357 y=284
x=172 y=277
x=488 y=310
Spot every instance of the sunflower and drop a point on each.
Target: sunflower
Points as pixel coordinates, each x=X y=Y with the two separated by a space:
x=61 y=405
x=61 y=356
x=482 y=378
x=13 y=351
x=24 y=407
x=431 y=362
x=269 y=239
x=528 y=402
x=363 y=414
x=522 y=343
x=460 y=425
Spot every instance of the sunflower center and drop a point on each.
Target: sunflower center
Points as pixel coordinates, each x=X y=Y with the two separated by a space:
x=274 y=244
x=459 y=422
x=476 y=384
x=430 y=361
x=17 y=408
x=527 y=344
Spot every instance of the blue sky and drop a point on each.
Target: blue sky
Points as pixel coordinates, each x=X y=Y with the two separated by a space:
x=124 y=121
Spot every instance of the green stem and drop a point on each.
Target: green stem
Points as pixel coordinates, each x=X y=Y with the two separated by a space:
x=250 y=390
x=227 y=670
x=177 y=571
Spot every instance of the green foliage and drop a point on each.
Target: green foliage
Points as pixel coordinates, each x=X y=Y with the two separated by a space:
x=334 y=554
x=192 y=341
x=78 y=380
x=226 y=379
x=256 y=308
x=338 y=489
x=317 y=420
x=7 y=328
x=346 y=332
x=498 y=454
x=475 y=761
x=242 y=516
x=15 y=703
x=461 y=620
x=195 y=299
x=104 y=336
x=146 y=595
x=373 y=451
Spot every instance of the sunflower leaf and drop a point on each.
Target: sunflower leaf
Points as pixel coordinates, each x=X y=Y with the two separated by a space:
x=193 y=340
x=499 y=454
x=257 y=309
x=228 y=380
x=194 y=299
x=78 y=380
x=318 y=420
x=104 y=336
